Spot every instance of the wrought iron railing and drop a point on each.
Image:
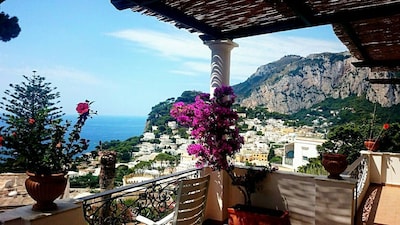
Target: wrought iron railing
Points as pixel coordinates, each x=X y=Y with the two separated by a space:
x=359 y=171
x=152 y=199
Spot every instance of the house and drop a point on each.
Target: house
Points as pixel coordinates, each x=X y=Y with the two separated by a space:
x=300 y=151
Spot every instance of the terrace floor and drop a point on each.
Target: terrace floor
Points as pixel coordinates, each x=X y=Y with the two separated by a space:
x=381 y=206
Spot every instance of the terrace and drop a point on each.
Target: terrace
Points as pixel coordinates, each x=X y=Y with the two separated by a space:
x=366 y=195
x=369 y=29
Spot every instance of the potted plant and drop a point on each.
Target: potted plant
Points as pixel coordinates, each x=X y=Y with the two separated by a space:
x=372 y=143
x=213 y=124
x=35 y=139
x=342 y=148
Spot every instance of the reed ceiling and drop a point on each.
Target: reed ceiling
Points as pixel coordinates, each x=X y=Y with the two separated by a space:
x=369 y=29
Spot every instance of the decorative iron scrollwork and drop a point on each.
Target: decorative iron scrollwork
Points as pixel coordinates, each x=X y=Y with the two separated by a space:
x=153 y=199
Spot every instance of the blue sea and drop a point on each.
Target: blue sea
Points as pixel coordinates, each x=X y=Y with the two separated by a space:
x=107 y=128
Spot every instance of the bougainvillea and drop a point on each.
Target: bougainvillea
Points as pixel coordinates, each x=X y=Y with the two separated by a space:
x=213 y=125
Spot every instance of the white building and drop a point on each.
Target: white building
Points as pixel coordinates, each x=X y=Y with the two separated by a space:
x=300 y=151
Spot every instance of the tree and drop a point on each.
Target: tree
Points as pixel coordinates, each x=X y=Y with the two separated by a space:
x=347 y=139
x=88 y=180
x=9 y=27
x=36 y=99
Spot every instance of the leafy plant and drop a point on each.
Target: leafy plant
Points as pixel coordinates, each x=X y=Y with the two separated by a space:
x=213 y=124
x=347 y=139
x=35 y=136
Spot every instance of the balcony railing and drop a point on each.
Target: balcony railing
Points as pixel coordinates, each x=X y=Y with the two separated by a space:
x=152 y=199
x=358 y=170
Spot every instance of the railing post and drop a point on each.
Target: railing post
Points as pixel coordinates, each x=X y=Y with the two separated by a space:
x=218 y=195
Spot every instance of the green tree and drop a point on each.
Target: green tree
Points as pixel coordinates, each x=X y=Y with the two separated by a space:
x=88 y=180
x=313 y=167
x=390 y=139
x=347 y=139
x=120 y=172
x=36 y=99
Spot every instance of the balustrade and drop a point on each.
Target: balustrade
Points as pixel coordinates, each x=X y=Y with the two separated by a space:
x=152 y=199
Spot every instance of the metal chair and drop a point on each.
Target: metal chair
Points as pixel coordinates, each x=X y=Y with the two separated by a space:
x=190 y=204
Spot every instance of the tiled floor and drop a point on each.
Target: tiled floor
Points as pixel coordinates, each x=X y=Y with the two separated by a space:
x=381 y=206
x=388 y=211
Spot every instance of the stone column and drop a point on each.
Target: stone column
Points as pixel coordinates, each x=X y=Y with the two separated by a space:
x=220 y=62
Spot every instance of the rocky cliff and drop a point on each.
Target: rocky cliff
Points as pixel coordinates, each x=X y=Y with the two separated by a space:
x=293 y=83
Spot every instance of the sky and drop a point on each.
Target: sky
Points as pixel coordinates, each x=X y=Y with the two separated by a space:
x=127 y=62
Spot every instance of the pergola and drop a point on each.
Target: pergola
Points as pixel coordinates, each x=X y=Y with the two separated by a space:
x=369 y=29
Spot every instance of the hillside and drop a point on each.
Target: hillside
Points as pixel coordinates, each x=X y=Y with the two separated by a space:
x=294 y=83
x=306 y=89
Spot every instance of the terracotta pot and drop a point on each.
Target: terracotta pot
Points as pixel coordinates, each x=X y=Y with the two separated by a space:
x=249 y=215
x=335 y=164
x=44 y=189
x=371 y=145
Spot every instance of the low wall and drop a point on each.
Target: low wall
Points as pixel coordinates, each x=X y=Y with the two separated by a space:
x=309 y=199
x=68 y=212
x=384 y=167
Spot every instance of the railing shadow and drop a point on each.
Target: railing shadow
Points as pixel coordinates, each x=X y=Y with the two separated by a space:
x=366 y=214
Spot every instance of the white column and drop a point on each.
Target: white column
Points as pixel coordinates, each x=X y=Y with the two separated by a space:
x=220 y=62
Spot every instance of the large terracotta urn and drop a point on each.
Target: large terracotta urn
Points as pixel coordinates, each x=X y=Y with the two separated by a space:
x=44 y=189
x=335 y=164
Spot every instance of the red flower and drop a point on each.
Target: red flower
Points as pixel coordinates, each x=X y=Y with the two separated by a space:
x=1 y=141
x=58 y=145
x=82 y=108
x=386 y=126
x=31 y=121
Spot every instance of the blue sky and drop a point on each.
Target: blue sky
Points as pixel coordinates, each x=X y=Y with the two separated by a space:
x=127 y=62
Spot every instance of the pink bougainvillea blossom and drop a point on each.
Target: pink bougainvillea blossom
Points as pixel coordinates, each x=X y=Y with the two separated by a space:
x=213 y=125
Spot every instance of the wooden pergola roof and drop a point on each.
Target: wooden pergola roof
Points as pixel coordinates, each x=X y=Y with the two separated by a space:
x=369 y=29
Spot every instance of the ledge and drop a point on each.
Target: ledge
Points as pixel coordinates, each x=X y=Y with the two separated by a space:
x=68 y=212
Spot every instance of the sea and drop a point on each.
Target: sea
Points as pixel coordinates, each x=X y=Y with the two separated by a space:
x=107 y=128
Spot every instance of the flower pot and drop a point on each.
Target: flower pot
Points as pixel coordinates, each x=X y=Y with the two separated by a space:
x=335 y=164
x=249 y=215
x=371 y=145
x=44 y=189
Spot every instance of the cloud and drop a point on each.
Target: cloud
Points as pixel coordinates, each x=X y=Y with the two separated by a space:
x=251 y=53
x=177 y=44
x=193 y=68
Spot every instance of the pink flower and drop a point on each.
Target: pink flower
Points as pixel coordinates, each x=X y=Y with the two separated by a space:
x=31 y=121
x=194 y=149
x=213 y=125
x=82 y=108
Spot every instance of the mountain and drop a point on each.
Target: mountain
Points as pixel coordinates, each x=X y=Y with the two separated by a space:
x=293 y=83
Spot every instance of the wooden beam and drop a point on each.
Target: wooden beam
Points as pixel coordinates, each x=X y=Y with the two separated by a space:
x=177 y=16
x=385 y=81
x=378 y=63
